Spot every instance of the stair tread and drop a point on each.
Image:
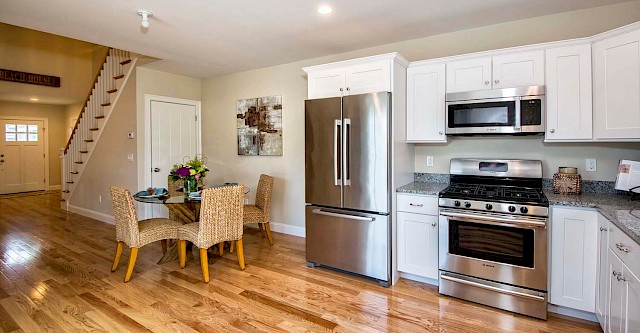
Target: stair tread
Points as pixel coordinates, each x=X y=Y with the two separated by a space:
x=105 y=104
x=118 y=77
x=112 y=91
x=124 y=62
x=79 y=162
x=99 y=117
x=89 y=140
x=83 y=151
x=65 y=191
x=94 y=129
x=74 y=172
x=70 y=182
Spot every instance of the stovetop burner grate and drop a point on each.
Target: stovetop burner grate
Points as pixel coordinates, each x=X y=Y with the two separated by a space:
x=493 y=192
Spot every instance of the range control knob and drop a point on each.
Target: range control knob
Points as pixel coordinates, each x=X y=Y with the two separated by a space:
x=524 y=210
x=456 y=203
x=512 y=209
x=488 y=206
x=467 y=204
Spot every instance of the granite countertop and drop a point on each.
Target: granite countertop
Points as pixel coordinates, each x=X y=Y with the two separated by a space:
x=617 y=208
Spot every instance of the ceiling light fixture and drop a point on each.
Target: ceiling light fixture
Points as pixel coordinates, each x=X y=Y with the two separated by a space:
x=324 y=10
x=145 y=18
x=34 y=99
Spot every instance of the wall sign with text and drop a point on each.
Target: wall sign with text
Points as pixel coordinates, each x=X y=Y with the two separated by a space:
x=30 y=78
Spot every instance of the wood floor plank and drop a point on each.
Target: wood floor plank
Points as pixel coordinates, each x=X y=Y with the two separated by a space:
x=55 y=277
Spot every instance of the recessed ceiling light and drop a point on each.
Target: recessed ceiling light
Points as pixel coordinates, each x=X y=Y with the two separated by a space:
x=324 y=10
x=34 y=99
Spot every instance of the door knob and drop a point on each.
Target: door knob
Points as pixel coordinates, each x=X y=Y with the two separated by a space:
x=1 y=161
x=2 y=155
x=156 y=169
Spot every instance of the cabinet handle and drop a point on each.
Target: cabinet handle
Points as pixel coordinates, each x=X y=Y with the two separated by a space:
x=603 y=229
x=552 y=131
x=341 y=89
x=621 y=278
x=617 y=274
x=440 y=133
x=622 y=248
x=348 y=89
x=416 y=205
x=487 y=82
x=497 y=81
x=433 y=224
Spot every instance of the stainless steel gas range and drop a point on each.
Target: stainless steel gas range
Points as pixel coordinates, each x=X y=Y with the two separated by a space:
x=493 y=235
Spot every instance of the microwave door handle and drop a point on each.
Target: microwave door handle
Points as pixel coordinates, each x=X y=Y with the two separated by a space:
x=518 y=121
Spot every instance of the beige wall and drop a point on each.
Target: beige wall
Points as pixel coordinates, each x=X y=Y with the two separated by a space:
x=108 y=164
x=220 y=94
x=152 y=82
x=55 y=115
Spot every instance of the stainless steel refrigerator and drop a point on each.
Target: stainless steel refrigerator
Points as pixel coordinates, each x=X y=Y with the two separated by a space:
x=347 y=184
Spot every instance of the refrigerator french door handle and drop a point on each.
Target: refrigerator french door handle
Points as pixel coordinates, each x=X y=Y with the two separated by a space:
x=518 y=121
x=346 y=150
x=337 y=141
x=319 y=211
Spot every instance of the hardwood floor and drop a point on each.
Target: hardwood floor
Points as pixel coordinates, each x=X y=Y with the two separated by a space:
x=55 y=276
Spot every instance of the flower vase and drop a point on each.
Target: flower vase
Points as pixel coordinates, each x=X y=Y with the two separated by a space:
x=190 y=185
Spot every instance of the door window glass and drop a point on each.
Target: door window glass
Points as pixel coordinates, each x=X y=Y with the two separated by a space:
x=20 y=132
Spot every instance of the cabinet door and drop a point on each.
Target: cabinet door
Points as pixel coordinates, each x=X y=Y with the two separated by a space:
x=368 y=78
x=418 y=244
x=569 y=109
x=468 y=75
x=425 y=103
x=614 y=316
x=631 y=309
x=573 y=258
x=518 y=70
x=323 y=84
x=616 y=85
x=603 y=276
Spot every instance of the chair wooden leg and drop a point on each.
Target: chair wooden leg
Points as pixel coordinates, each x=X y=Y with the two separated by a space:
x=182 y=252
x=261 y=229
x=268 y=229
x=132 y=262
x=204 y=262
x=240 y=254
x=221 y=248
x=116 y=260
x=232 y=246
x=163 y=242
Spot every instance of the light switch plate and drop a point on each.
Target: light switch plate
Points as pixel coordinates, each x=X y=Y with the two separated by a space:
x=130 y=157
x=429 y=161
x=131 y=135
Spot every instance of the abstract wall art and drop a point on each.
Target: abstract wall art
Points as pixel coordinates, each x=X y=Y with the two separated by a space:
x=259 y=126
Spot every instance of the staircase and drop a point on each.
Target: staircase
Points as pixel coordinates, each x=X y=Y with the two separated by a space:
x=102 y=98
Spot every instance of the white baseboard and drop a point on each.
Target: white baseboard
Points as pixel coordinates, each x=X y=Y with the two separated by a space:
x=106 y=218
x=408 y=276
x=55 y=187
x=572 y=312
x=283 y=229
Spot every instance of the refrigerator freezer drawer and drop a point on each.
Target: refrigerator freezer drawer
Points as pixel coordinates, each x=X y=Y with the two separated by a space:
x=354 y=242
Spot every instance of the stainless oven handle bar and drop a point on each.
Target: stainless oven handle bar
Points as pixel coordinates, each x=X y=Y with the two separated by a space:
x=344 y=216
x=492 y=288
x=494 y=219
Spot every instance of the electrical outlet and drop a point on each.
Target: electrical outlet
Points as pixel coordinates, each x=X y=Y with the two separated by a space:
x=130 y=157
x=429 y=161
x=591 y=164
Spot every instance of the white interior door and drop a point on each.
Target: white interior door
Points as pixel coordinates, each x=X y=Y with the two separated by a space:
x=22 y=156
x=174 y=138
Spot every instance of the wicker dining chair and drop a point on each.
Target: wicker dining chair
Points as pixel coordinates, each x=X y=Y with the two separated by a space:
x=259 y=213
x=220 y=221
x=136 y=233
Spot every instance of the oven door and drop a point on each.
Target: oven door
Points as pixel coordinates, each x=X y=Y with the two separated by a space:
x=487 y=116
x=504 y=248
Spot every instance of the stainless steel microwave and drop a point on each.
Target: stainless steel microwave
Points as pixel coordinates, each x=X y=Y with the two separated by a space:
x=499 y=111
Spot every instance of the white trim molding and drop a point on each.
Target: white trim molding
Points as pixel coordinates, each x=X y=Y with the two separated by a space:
x=55 y=187
x=288 y=229
x=102 y=217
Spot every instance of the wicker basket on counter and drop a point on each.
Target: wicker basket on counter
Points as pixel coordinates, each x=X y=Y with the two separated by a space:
x=567 y=181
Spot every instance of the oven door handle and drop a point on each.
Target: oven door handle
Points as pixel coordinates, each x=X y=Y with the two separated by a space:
x=518 y=223
x=492 y=288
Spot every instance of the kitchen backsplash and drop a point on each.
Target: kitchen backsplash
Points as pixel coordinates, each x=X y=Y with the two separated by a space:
x=588 y=186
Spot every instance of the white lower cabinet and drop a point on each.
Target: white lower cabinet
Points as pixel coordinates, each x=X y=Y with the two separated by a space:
x=624 y=297
x=574 y=253
x=418 y=237
x=602 y=307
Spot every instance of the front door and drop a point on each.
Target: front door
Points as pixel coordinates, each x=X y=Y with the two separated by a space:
x=22 y=156
x=174 y=139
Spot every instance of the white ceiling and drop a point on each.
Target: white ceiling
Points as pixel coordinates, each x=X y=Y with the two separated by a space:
x=203 y=38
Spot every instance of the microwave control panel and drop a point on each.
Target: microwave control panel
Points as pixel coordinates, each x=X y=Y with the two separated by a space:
x=530 y=112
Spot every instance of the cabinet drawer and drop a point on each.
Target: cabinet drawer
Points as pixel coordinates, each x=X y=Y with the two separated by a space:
x=418 y=204
x=625 y=247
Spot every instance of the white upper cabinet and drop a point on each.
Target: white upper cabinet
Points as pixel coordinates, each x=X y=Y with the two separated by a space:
x=518 y=70
x=568 y=85
x=425 y=103
x=573 y=258
x=497 y=72
x=468 y=75
x=352 y=77
x=617 y=87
